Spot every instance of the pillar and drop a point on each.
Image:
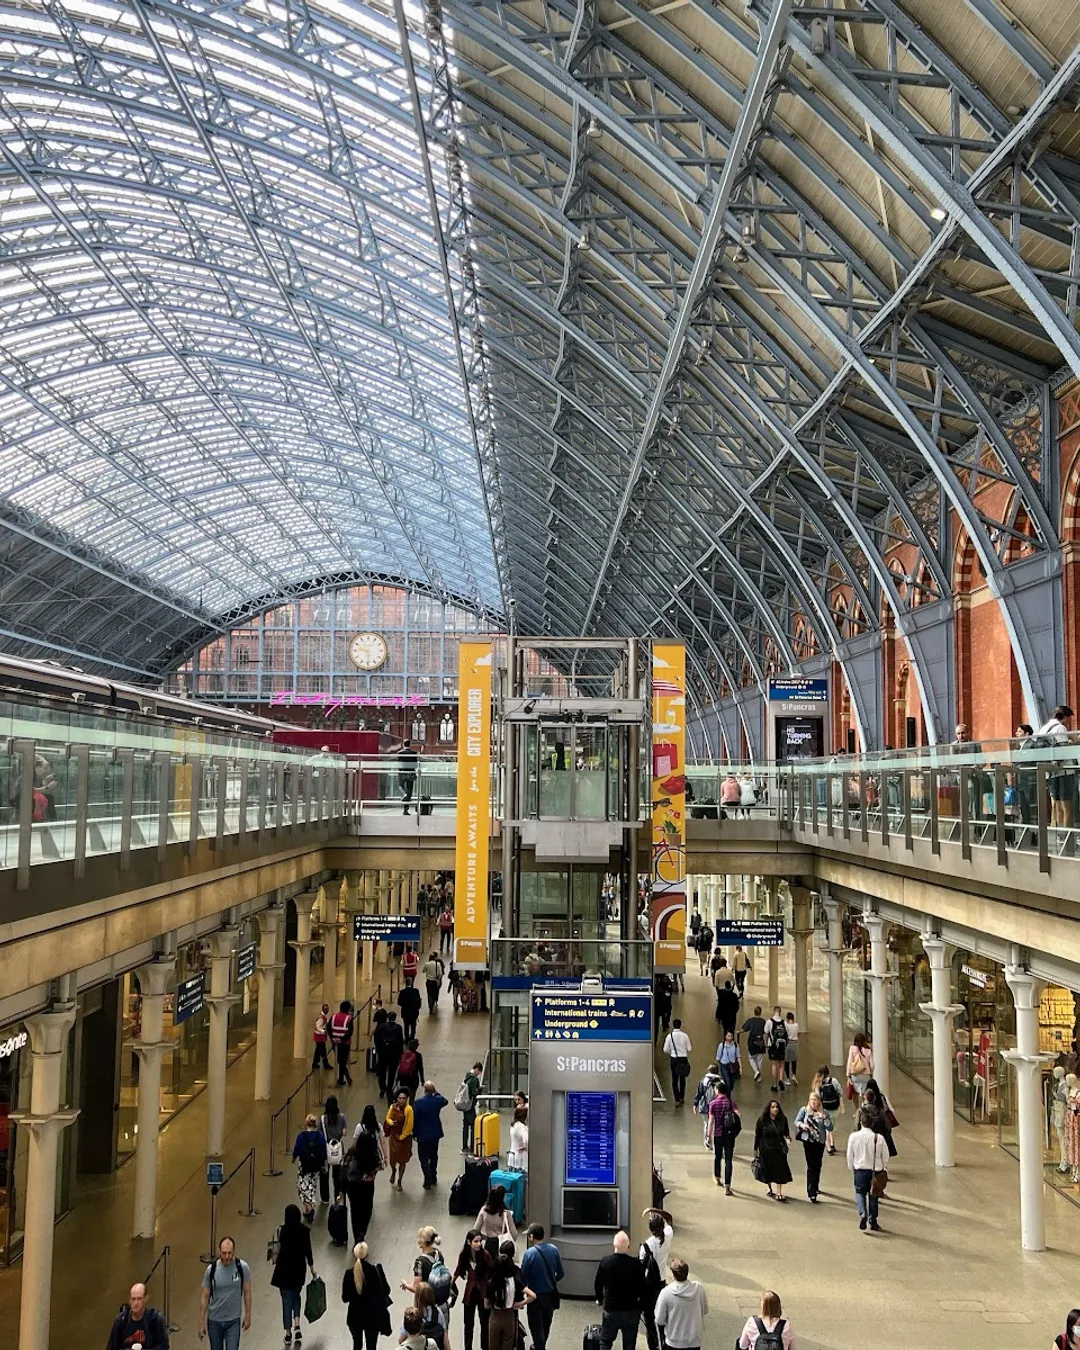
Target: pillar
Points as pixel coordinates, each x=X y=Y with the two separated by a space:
x=302 y=945
x=371 y=906
x=773 y=992
x=1027 y=1062
x=802 y=930
x=352 y=907
x=219 y=1001
x=44 y=1122
x=150 y=1049
x=329 y=911
x=878 y=977
x=941 y=1011
x=834 y=914
x=270 y=927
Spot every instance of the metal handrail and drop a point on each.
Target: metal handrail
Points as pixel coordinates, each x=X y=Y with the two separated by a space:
x=166 y=1281
x=271 y=1170
x=248 y=1161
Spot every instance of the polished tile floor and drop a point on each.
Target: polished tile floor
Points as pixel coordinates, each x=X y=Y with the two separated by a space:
x=946 y=1272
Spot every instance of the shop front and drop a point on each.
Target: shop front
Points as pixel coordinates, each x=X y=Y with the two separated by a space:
x=16 y=1072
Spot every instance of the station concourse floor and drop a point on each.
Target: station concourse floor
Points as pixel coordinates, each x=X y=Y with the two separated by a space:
x=946 y=1270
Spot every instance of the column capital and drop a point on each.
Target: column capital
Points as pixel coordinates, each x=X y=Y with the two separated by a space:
x=833 y=908
x=155 y=976
x=872 y=976
x=938 y=951
x=1026 y=988
x=222 y=941
x=305 y=903
x=934 y=1010
x=303 y=945
x=270 y=920
x=270 y=967
x=1019 y=1059
x=150 y=1050
x=875 y=925
x=51 y=1123
x=221 y=1002
x=48 y=1030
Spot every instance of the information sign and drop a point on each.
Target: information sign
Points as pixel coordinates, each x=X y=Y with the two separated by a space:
x=591 y=1139
x=215 y=1174
x=386 y=927
x=591 y=1017
x=246 y=960
x=795 y=690
x=749 y=933
x=190 y=997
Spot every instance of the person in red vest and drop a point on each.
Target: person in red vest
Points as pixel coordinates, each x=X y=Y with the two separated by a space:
x=410 y=965
x=341 y=1029
x=446 y=929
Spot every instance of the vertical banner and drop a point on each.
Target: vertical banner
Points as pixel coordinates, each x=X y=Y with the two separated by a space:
x=471 y=879
x=668 y=913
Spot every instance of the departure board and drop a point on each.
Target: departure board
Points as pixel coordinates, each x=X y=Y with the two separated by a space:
x=591 y=1017
x=591 y=1138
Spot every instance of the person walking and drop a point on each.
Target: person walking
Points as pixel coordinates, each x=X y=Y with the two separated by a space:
x=772 y=1138
x=407 y=760
x=320 y=1035
x=429 y=1254
x=428 y=1130
x=334 y=1126
x=867 y=1156
x=474 y=1265
x=341 y=1031
x=653 y=1256
x=410 y=1069
x=367 y=1159
x=776 y=1047
x=366 y=1294
x=471 y=1083
x=740 y=964
x=791 y=1049
x=541 y=1270
x=618 y=1290
x=876 y=1103
x=409 y=1001
x=495 y=1220
x=446 y=931
x=1069 y=1339
x=727 y=1001
x=139 y=1326
x=860 y=1066
x=433 y=972
x=832 y=1097
x=678 y=1048
x=704 y=948
x=389 y=1040
x=517 y=1159
x=309 y=1154
x=730 y=1061
x=410 y=964
x=813 y=1129
x=731 y=795
x=293 y=1261
x=722 y=1129
x=506 y=1295
x=681 y=1310
x=706 y=1091
x=770 y=1331
x=398 y=1128
x=662 y=996
x=754 y=1030
x=1059 y=785
x=225 y=1301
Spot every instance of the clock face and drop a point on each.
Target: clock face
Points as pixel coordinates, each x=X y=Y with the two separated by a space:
x=367 y=651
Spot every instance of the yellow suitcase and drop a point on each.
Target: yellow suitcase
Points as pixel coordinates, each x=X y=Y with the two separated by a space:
x=486 y=1135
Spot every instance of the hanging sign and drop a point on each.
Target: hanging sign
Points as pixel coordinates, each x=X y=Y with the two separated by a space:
x=386 y=928
x=190 y=997
x=668 y=913
x=246 y=961
x=471 y=876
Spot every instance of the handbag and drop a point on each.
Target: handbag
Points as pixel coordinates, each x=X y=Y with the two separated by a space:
x=890 y=1118
x=273 y=1246
x=849 y=1091
x=878 y=1182
x=315 y=1299
x=556 y=1297
x=756 y=1168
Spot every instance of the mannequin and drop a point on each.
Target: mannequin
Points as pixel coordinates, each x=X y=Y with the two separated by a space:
x=1059 y=1096
x=1072 y=1125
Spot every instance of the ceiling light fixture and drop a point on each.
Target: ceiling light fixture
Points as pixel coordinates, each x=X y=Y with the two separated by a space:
x=938 y=213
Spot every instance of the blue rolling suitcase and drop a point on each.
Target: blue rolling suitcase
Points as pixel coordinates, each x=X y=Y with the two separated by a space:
x=515 y=1191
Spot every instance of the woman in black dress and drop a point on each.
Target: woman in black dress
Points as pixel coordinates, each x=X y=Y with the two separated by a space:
x=772 y=1138
x=294 y=1260
x=366 y=1293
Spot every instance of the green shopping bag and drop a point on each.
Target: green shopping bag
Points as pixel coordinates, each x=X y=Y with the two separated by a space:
x=315 y=1300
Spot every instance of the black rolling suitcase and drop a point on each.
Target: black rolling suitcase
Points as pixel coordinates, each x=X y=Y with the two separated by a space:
x=337 y=1224
x=455 y=1202
x=371 y=1060
x=476 y=1182
x=590 y=1338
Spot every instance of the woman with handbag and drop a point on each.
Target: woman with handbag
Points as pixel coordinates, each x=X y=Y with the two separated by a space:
x=291 y=1265
x=363 y=1163
x=772 y=1138
x=813 y=1129
x=866 y=1159
x=860 y=1066
x=729 y=1061
x=398 y=1128
x=882 y=1118
x=366 y=1292
x=495 y=1222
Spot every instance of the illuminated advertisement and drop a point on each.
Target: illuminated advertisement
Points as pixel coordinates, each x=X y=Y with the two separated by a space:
x=668 y=915
x=471 y=878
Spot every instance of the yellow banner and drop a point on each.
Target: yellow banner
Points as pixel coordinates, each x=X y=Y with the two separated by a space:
x=668 y=911
x=471 y=879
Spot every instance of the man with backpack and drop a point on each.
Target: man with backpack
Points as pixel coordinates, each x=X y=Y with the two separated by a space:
x=389 y=1041
x=754 y=1027
x=776 y=1047
x=341 y=1029
x=225 y=1302
x=465 y=1101
x=704 y=948
x=722 y=1130
x=138 y=1326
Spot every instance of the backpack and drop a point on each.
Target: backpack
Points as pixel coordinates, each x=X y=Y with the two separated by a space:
x=440 y=1279
x=777 y=1036
x=433 y=1326
x=830 y=1095
x=407 y=1065
x=732 y=1124
x=755 y=1042
x=769 y=1340
x=309 y=1154
x=654 y=1280
x=705 y=1094
x=463 y=1099
x=365 y=1159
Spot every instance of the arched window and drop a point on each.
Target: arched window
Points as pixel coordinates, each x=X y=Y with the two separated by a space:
x=446 y=729
x=419 y=729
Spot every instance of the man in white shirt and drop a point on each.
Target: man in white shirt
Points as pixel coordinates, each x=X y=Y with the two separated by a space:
x=1059 y=785
x=866 y=1154
x=677 y=1047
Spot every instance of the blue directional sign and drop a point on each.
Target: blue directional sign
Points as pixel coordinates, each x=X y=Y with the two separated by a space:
x=591 y=1017
x=215 y=1174
x=749 y=933
x=591 y=1138
x=246 y=959
x=795 y=690
x=386 y=927
x=190 y=997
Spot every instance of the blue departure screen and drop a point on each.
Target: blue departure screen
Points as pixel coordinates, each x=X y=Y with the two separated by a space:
x=591 y=1140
